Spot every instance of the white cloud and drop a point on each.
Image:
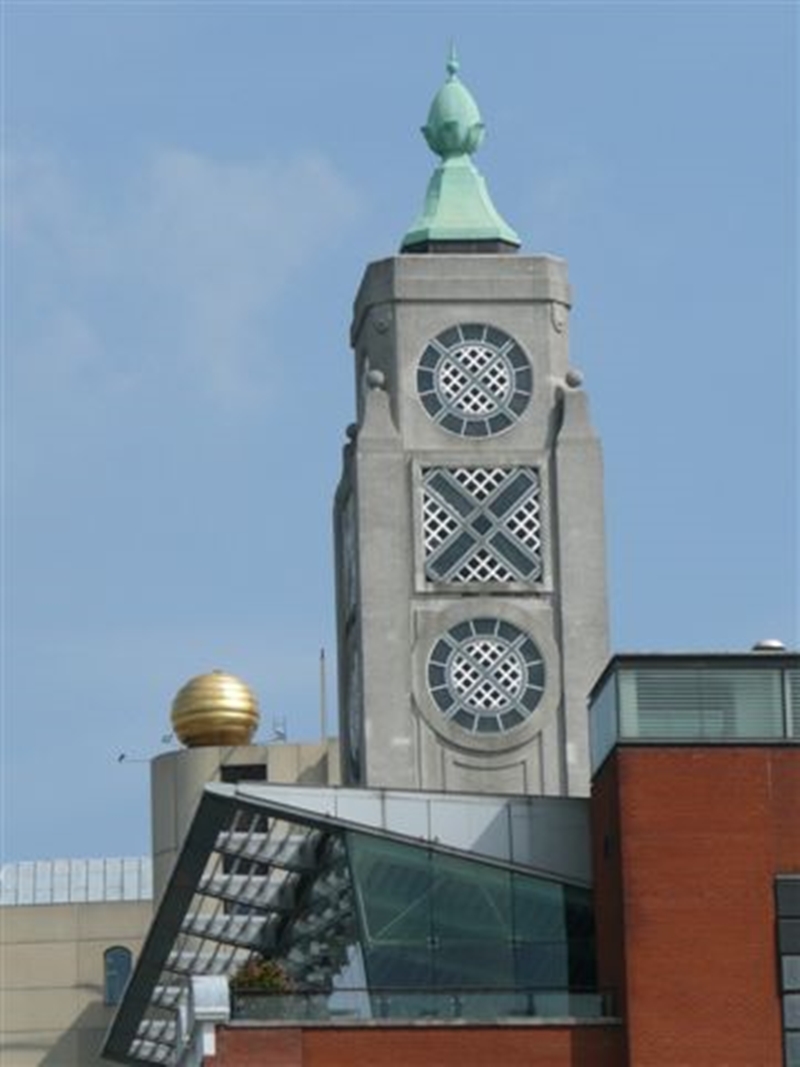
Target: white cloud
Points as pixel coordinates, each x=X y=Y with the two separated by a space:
x=179 y=269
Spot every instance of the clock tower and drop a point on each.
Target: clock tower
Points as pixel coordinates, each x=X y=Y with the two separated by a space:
x=470 y=555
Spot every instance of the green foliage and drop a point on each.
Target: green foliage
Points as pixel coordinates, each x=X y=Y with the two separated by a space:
x=261 y=975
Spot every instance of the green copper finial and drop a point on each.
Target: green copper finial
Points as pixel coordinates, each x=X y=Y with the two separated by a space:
x=452 y=61
x=454 y=126
x=458 y=208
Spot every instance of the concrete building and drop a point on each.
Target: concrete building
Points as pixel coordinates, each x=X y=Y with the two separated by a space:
x=69 y=931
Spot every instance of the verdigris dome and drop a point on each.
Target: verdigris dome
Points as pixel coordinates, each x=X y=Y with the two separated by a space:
x=215 y=709
x=454 y=126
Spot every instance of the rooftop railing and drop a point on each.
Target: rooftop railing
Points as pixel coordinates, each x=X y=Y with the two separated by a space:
x=368 y=1005
x=70 y=881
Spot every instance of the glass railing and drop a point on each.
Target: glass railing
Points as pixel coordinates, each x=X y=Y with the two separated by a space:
x=363 y=1005
x=666 y=699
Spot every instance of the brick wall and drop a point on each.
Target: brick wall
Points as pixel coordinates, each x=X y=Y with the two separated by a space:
x=687 y=841
x=419 y=1046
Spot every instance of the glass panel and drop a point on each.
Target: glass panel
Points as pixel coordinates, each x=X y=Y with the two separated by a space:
x=707 y=702
x=60 y=881
x=538 y=909
x=393 y=883
x=394 y=889
x=130 y=879
x=79 y=879
x=627 y=703
x=96 y=881
x=580 y=936
x=25 y=883
x=431 y=920
x=8 y=883
x=791 y=1011
x=43 y=882
x=788 y=895
x=789 y=936
x=541 y=951
x=113 y=879
x=603 y=721
x=794 y=703
x=472 y=924
x=399 y=967
x=790 y=974
x=360 y=1004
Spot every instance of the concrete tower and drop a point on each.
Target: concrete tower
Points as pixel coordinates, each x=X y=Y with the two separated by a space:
x=470 y=557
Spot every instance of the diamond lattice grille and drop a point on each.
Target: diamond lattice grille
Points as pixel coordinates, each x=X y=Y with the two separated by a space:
x=474 y=380
x=482 y=524
x=479 y=689
x=485 y=675
x=439 y=524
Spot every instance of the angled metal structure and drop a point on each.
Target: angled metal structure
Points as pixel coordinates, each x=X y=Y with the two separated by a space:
x=363 y=921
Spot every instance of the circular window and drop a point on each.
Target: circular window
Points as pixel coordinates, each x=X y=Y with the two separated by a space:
x=474 y=380
x=486 y=675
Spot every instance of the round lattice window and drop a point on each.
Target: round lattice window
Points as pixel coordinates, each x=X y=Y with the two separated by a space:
x=486 y=675
x=474 y=380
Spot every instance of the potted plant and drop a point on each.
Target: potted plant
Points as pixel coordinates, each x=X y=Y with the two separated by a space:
x=261 y=975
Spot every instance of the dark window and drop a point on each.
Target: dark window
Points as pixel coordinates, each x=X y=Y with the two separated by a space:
x=117 y=964
x=787 y=900
x=243 y=772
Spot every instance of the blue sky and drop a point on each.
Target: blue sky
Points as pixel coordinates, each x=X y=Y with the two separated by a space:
x=191 y=194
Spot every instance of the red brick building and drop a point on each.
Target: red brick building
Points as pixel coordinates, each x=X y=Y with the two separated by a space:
x=688 y=844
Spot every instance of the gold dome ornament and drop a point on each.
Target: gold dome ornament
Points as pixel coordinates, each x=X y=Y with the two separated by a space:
x=215 y=709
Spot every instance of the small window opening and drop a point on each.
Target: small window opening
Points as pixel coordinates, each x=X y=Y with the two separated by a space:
x=117 y=963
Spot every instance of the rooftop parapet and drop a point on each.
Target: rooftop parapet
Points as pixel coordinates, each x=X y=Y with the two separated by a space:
x=708 y=699
x=76 y=881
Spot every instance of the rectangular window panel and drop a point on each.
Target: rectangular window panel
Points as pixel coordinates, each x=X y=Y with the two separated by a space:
x=707 y=702
x=791 y=1011
x=788 y=896
x=790 y=974
x=789 y=936
x=787 y=901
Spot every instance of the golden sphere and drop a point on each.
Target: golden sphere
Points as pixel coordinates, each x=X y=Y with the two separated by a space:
x=215 y=709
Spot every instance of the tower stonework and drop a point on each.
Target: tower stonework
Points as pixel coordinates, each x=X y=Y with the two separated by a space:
x=470 y=556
